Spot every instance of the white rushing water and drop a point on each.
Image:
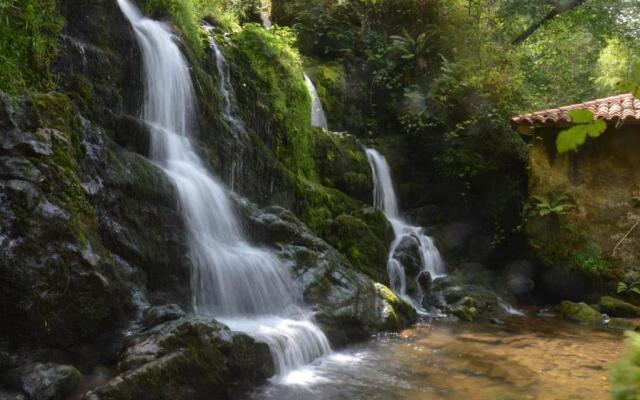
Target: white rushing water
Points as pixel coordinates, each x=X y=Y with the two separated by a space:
x=384 y=198
x=246 y=287
x=318 y=118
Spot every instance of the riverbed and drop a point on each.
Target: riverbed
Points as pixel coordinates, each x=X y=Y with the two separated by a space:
x=523 y=358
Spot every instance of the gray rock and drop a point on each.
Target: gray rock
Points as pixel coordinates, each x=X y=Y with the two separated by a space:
x=158 y=314
x=49 y=381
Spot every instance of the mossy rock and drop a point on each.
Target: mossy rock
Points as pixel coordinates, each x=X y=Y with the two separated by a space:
x=343 y=165
x=395 y=312
x=355 y=239
x=618 y=308
x=624 y=324
x=580 y=312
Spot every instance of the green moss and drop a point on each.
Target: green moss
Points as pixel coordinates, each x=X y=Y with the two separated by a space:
x=342 y=164
x=275 y=99
x=397 y=313
x=625 y=373
x=51 y=110
x=580 y=312
x=618 y=308
x=28 y=44
x=355 y=239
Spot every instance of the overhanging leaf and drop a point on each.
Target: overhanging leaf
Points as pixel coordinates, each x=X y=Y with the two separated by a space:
x=597 y=128
x=581 y=116
x=571 y=138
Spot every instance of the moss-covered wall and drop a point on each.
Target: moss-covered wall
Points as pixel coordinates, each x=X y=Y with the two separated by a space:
x=602 y=180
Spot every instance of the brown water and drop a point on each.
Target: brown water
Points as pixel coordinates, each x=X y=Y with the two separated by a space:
x=527 y=358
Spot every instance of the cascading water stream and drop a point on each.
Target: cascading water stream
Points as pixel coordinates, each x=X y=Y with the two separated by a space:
x=384 y=198
x=246 y=287
x=229 y=107
x=318 y=118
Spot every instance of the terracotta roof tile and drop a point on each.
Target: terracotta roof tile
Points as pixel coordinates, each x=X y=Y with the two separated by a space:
x=624 y=107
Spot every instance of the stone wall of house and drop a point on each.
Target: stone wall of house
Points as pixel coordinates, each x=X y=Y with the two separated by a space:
x=603 y=180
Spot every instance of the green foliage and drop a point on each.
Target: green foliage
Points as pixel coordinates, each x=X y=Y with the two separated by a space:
x=28 y=44
x=558 y=204
x=625 y=373
x=584 y=125
x=273 y=89
x=631 y=85
x=562 y=241
x=614 y=66
x=633 y=287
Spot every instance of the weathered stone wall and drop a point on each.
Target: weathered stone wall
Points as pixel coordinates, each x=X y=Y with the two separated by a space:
x=603 y=179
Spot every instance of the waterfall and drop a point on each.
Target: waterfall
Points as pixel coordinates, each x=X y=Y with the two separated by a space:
x=318 y=117
x=384 y=198
x=229 y=106
x=245 y=287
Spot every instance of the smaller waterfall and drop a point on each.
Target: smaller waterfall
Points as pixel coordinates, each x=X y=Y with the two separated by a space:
x=229 y=106
x=384 y=198
x=318 y=118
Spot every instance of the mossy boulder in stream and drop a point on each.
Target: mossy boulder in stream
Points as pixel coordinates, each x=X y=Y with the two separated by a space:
x=618 y=308
x=580 y=312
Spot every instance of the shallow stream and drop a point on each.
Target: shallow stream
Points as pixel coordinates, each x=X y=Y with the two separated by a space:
x=526 y=358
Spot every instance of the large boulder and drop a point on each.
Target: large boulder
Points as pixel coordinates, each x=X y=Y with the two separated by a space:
x=348 y=304
x=193 y=357
x=49 y=381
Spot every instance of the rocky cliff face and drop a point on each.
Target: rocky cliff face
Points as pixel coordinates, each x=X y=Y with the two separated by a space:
x=91 y=233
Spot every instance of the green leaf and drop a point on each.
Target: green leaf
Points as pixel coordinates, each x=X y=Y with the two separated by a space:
x=635 y=290
x=622 y=287
x=538 y=198
x=597 y=128
x=571 y=138
x=581 y=116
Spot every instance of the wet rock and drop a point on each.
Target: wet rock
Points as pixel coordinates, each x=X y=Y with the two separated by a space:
x=519 y=276
x=348 y=307
x=408 y=254
x=159 y=314
x=618 y=308
x=193 y=357
x=580 y=312
x=454 y=294
x=28 y=144
x=49 y=381
x=11 y=395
